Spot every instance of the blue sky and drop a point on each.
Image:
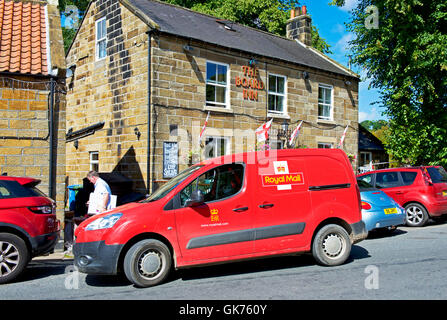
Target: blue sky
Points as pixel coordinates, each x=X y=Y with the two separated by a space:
x=330 y=22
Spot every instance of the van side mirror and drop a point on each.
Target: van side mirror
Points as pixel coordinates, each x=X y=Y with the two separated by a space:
x=196 y=199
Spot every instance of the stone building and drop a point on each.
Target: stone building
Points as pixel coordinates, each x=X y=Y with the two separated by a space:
x=32 y=107
x=147 y=74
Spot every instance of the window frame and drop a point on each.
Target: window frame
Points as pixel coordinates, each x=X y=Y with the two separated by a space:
x=100 y=40
x=227 y=146
x=214 y=104
x=92 y=162
x=330 y=144
x=177 y=197
x=364 y=153
x=331 y=105
x=283 y=95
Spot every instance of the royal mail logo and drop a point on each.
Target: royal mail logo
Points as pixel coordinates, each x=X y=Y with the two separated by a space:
x=214 y=215
x=282 y=179
x=281 y=169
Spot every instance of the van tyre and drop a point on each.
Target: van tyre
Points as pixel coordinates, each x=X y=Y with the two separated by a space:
x=416 y=215
x=14 y=256
x=331 y=245
x=147 y=263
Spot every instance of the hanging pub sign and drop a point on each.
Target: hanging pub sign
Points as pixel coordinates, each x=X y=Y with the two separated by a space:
x=250 y=82
x=170 y=159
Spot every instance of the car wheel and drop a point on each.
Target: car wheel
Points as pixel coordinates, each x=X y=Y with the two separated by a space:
x=416 y=214
x=331 y=245
x=147 y=263
x=14 y=257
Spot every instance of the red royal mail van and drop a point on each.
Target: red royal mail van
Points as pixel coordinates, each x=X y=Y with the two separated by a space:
x=230 y=208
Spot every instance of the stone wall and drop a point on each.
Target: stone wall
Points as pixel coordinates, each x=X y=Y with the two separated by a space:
x=178 y=91
x=24 y=133
x=115 y=90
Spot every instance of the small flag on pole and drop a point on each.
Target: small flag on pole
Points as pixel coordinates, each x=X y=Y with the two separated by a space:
x=262 y=133
x=342 y=139
x=203 y=128
x=295 y=133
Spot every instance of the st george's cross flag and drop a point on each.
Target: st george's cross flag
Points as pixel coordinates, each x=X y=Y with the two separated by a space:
x=295 y=133
x=342 y=139
x=203 y=128
x=262 y=133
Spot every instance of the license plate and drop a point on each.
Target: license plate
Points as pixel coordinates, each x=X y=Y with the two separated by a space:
x=390 y=210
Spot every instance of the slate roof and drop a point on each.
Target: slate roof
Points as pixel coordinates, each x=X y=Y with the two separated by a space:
x=23 y=37
x=369 y=142
x=189 y=24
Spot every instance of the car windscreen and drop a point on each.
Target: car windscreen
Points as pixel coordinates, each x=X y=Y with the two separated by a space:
x=171 y=184
x=13 y=189
x=365 y=186
x=437 y=174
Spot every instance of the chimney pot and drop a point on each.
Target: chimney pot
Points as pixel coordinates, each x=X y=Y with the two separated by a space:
x=304 y=10
x=299 y=26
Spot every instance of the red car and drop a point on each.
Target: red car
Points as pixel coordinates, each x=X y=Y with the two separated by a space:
x=422 y=191
x=28 y=225
x=230 y=208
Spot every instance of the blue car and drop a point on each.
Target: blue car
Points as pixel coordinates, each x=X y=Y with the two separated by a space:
x=379 y=211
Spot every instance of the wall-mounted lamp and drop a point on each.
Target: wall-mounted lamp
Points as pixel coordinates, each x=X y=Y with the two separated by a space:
x=284 y=133
x=137 y=133
x=188 y=48
x=76 y=144
x=347 y=82
x=305 y=75
x=253 y=62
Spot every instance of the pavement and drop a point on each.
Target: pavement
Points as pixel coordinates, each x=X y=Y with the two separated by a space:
x=58 y=254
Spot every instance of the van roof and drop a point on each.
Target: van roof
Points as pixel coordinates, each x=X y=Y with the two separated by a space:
x=254 y=155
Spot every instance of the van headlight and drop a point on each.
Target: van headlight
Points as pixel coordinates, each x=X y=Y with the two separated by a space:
x=104 y=222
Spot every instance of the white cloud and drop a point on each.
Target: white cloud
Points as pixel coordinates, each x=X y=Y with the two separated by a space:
x=342 y=45
x=349 y=5
x=338 y=28
x=372 y=114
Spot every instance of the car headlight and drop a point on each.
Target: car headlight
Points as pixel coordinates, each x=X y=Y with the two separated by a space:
x=104 y=222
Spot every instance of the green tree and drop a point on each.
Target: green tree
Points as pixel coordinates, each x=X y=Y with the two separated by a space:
x=405 y=55
x=266 y=15
x=69 y=31
x=373 y=125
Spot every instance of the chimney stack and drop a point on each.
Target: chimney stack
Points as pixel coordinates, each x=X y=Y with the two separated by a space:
x=299 y=26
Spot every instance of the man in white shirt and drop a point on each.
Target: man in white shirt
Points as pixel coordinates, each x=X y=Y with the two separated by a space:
x=102 y=192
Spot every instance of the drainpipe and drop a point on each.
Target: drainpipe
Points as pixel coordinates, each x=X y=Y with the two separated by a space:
x=52 y=166
x=149 y=120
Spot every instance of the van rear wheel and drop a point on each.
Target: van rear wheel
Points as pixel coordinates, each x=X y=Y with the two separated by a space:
x=147 y=263
x=331 y=245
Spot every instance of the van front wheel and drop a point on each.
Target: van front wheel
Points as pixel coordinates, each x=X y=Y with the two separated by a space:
x=147 y=263
x=331 y=245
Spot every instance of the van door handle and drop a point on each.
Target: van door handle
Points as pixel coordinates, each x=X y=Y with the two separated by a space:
x=240 y=209
x=266 y=206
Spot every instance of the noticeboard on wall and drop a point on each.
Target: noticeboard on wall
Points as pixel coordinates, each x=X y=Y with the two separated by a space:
x=170 y=159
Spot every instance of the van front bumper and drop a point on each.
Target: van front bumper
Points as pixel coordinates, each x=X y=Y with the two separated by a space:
x=358 y=232
x=96 y=257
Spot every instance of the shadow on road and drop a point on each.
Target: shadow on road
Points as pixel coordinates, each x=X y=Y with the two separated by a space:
x=38 y=269
x=119 y=280
x=378 y=234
